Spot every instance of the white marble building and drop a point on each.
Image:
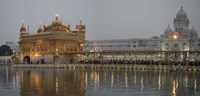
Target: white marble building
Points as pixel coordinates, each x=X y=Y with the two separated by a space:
x=177 y=39
x=123 y=45
x=5 y=59
x=181 y=38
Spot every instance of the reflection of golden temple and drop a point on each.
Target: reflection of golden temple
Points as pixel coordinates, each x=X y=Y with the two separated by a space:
x=15 y=59
x=51 y=83
x=55 y=43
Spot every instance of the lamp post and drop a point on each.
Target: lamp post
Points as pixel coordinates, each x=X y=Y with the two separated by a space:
x=124 y=60
x=105 y=60
x=195 y=59
x=174 y=55
x=159 y=60
x=75 y=60
x=135 y=60
x=187 y=59
x=171 y=61
x=113 y=59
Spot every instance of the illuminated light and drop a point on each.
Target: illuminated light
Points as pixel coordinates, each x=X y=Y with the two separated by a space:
x=112 y=79
x=86 y=78
x=142 y=83
x=95 y=80
x=159 y=81
x=195 y=85
x=174 y=87
x=57 y=14
x=40 y=41
x=37 y=54
x=82 y=45
x=126 y=80
x=186 y=81
x=95 y=46
x=175 y=37
x=56 y=85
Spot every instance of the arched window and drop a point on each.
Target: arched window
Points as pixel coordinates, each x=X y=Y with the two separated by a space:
x=166 y=46
x=184 y=46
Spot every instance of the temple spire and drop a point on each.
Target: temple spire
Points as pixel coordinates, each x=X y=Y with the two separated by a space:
x=23 y=29
x=56 y=15
x=40 y=26
x=23 y=25
x=40 y=29
x=81 y=21
x=80 y=26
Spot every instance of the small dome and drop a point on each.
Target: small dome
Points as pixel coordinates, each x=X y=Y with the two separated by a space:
x=40 y=29
x=168 y=30
x=56 y=21
x=23 y=28
x=181 y=13
x=193 y=32
x=57 y=25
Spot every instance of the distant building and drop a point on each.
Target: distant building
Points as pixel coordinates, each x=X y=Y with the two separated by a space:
x=178 y=43
x=14 y=47
x=55 y=43
x=5 y=54
x=123 y=44
x=181 y=38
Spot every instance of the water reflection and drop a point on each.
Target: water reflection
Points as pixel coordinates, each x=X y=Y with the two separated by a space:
x=174 y=89
x=51 y=82
x=93 y=82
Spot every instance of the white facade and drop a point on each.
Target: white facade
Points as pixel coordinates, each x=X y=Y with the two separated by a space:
x=151 y=44
x=181 y=38
x=5 y=59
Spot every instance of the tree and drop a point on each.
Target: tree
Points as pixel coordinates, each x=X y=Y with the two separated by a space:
x=5 y=50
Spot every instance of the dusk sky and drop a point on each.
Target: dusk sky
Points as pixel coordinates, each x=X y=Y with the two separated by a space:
x=104 y=19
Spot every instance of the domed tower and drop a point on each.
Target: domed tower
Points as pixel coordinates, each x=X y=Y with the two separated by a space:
x=40 y=29
x=23 y=29
x=57 y=21
x=181 y=22
x=80 y=26
x=57 y=26
x=193 y=33
x=167 y=32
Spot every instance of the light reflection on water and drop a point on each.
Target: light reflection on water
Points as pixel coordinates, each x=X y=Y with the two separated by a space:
x=96 y=82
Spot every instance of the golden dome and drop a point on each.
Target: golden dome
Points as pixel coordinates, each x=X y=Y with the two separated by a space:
x=57 y=25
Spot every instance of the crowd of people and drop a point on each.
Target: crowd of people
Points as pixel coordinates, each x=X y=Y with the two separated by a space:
x=139 y=62
x=5 y=61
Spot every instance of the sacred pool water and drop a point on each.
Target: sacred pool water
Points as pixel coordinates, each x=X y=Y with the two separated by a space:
x=97 y=82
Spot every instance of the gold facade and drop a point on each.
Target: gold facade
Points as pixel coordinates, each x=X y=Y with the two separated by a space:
x=55 y=43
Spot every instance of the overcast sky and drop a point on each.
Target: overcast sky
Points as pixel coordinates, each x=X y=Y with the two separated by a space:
x=104 y=19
